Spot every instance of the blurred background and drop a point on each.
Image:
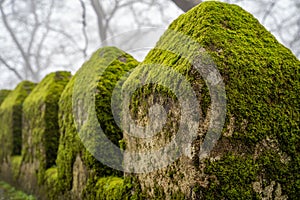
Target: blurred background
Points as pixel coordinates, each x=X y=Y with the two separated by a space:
x=41 y=36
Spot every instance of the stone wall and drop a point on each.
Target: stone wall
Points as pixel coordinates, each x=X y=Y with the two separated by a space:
x=78 y=170
x=11 y=111
x=51 y=144
x=40 y=130
x=259 y=144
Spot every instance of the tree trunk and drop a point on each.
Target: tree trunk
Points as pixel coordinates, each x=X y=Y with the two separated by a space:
x=186 y=5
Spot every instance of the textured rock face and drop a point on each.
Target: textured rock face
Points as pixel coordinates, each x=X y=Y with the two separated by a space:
x=257 y=155
x=73 y=157
x=11 y=120
x=40 y=127
x=11 y=129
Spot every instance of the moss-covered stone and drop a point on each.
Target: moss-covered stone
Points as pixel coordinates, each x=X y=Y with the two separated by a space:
x=112 y=188
x=15 y=164
x=40 y=126
x=11 y=120
x=261 y=77
x=78 y=170
x=3 y=95
x=50 y=185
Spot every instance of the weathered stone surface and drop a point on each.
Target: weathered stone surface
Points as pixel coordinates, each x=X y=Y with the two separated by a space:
x=259 y=146
x=78 y=170
x=11 y=120
x=41 y=130
x=11 y=130
x=257 y=156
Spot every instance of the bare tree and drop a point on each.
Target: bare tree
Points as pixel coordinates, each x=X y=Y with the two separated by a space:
x=108 y=13
x=36 y=38
x=32 y=40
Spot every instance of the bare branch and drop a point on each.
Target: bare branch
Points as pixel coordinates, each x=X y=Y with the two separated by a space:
x=16 y=41
x=99 y=11
x=35 y=28
x=40 y=46
x=11 y=68
x=1 y=2
x=84 y=50
x=268 y=12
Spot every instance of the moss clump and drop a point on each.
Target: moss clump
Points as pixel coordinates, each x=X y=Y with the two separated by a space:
x=112 y=188
x=3 y=95
x=11 y=120
x=112 y=63
x=16 y=163
x=261 y=77
x=235 y=177
x=40 y=127
x=51 y=183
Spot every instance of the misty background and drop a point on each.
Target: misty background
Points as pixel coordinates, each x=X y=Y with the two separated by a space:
x=41 y=36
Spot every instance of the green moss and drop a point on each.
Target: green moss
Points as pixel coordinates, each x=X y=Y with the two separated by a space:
x=112 y=188
x=102 y=61
x=16 y=163
x=51 y=183
x=3 y=95
x=11 y=120
x=261 y=77
x=235 y=177
x=40 y=127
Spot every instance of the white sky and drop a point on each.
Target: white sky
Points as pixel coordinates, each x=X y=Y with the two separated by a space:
x=70 y=18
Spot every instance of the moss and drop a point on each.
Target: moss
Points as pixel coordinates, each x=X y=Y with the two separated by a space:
x=235 y=177
x=261 y=77
x=51 y=183
x=286 y=174
x=16 y=163
x=111 y=188
x=11 y=120
x=159 y=192
x=102 y=61
x=3 y=95
x=40 y=127
x=178 y=196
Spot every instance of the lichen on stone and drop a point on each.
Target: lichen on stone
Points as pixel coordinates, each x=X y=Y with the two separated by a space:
x=261 y=79
x=109 y=64
x=11 y=120
x=40 y=126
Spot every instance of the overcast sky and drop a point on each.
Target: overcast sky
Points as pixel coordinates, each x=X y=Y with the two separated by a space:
x=124 y=27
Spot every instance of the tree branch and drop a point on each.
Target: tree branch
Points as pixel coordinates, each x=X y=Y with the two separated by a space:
x=100 y=18
x=84 y=50
x=11 y=68
x=268 y=12
x=15 y=39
